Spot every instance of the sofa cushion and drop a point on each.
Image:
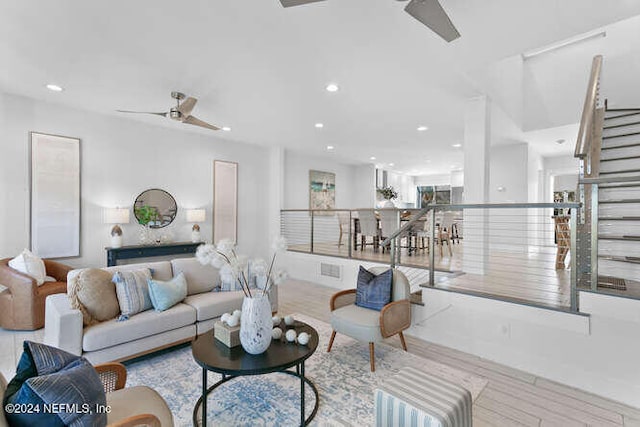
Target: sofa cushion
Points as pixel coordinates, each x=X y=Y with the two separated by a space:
x=49 y=376
x=160 y=270
x=29 y=264
x=200 y=278
x=362 y=324
x=165 y=295
x=132 y=290
x=94 y=294
x=145 y=324
x=214 y=304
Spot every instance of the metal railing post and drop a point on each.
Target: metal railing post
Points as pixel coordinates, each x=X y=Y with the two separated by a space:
x=311 y=240
x=573 y=223
x=392 y=250
x=594 y=237
x=432 y=249
x=350 y=235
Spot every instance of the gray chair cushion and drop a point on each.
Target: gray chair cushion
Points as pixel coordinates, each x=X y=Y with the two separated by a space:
x=362 y=324
x=214 y=304
x=138 y=400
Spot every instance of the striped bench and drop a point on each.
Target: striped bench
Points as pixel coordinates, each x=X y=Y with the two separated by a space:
x=413 y=398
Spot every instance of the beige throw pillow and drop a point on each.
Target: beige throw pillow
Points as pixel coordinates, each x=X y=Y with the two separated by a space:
x=93 y=293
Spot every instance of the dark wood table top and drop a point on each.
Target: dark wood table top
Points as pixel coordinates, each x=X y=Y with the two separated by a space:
x=213 y=355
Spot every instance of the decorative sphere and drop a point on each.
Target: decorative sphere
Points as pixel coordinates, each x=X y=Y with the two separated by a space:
x=276 y=320
x=288 y=320
x=291 y=335
x=303 y=338
x=225 y=318
x=233 y=321
x=276 y=333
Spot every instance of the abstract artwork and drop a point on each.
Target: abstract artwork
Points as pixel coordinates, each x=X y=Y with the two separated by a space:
x=322 y=190
x=55 y=196
x=225 y=201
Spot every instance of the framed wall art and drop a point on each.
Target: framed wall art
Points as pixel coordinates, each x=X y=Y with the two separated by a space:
x=322 y=190
x=55 y=195
x=225 y=201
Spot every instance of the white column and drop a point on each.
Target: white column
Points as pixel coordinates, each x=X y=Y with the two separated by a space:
x=477 y=143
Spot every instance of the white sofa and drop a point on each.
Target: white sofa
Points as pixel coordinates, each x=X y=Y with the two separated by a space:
x=147 y=331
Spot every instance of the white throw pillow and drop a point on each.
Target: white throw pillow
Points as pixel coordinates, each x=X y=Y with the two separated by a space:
x=29 y=264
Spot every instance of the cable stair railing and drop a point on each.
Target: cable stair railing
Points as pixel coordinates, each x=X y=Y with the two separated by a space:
x=608 y=146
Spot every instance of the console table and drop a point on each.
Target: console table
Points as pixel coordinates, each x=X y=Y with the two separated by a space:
x=144 y=251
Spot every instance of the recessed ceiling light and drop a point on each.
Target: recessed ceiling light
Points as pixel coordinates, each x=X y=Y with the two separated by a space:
x=54 y=88
x=226 y=128
x=453 y=166
x=457 y=145
x=332 y=87
x=391 y=164
x=422 y=128
x=372 y=158
x=319 y=125
x=330 y=147
x=560 y=141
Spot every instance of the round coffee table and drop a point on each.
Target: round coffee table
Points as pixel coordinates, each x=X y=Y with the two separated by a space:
x=213 y=355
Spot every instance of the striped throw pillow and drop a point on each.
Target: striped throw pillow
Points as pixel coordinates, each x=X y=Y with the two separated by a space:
x=132 y=291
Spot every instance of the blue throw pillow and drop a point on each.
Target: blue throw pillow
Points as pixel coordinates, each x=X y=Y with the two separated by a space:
x=55 y=388
x=373 y=291
x=165 y=295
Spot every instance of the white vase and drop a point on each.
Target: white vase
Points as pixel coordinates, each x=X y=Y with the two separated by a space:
x=256 y=323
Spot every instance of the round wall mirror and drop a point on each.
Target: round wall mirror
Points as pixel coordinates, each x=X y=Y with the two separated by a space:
x=155 y=208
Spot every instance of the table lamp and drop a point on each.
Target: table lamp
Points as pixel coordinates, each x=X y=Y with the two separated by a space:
x=116 y=216
x=195 y=216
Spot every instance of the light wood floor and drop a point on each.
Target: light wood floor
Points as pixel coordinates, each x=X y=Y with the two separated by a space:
x=511 y=398
x=527 y=276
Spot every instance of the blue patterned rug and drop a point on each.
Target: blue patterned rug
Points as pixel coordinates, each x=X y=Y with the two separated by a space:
x=343 y=379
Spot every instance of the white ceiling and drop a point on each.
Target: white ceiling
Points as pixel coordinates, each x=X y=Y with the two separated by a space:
x=262 y=69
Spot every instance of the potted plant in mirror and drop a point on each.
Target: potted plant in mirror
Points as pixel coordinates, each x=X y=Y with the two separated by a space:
x=146 y=216
x=388 y=194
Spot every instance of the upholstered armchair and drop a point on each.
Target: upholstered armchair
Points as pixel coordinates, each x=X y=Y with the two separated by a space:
x=367 y=325
x=22 y=303
x=129 y=407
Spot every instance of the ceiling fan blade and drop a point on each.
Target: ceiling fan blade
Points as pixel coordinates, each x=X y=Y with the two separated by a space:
x=289 y=3
x=195 y=121
x=187 y=106
x=143 y=112
x=431 y=14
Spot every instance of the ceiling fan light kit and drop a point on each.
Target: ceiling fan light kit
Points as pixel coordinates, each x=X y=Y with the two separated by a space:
x=428 y=12
x=181 y=112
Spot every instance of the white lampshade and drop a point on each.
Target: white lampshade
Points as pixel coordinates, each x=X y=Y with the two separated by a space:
x=116 y=216
x=195 y=215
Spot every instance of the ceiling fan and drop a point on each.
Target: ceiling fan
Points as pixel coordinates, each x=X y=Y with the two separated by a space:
x=181 y=112
x=429 y=12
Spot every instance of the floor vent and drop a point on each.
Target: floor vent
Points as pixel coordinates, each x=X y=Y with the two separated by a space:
x=331 y=270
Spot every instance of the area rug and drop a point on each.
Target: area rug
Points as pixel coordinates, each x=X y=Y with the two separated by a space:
x=345 y=384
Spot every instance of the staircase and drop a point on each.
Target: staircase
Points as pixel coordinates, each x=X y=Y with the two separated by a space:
x=619 y=204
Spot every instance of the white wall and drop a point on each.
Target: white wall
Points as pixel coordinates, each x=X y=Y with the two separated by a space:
x=426 y=180
x=120 y=158
x=508 y=170
x=554 y=166
x=351 y=181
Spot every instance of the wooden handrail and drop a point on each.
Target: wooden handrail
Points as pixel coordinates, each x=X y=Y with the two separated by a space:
x=589 y=109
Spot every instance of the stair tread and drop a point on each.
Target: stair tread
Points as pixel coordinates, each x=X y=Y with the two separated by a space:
x=620 y=201
x=619 y=218
x=611 y=147
x=632 y=259
x=620 y=158
x=612 y=186
x=622 y=125
x=627 y=237
x=620 y=171
x=621 y=135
